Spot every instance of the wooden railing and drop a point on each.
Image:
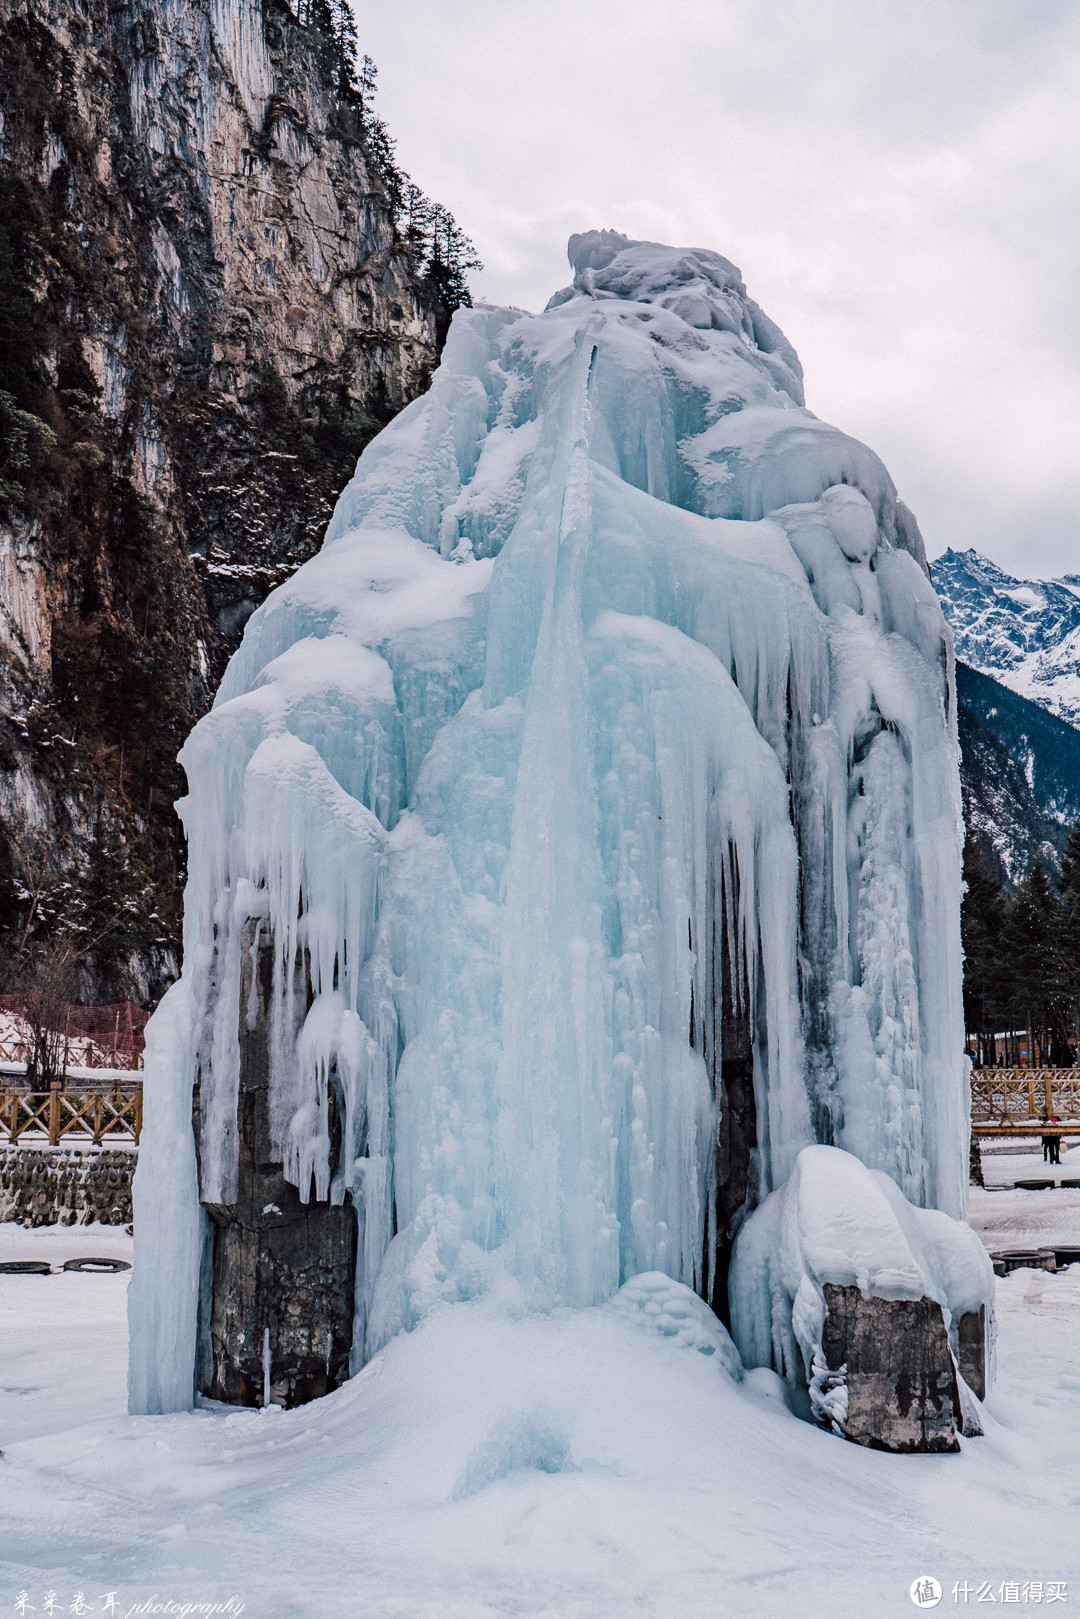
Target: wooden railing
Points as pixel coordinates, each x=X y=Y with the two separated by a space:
x=1016 y=1095
x=15 y=1051
x=94 y=1112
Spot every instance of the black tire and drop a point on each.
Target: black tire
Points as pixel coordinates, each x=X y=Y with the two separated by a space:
x=96 y=1264
x=25 y=1267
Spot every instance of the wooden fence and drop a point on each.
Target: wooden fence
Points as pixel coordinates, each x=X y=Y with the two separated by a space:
x=83 y=1110
x=1004 y=1096
x=15 y=1051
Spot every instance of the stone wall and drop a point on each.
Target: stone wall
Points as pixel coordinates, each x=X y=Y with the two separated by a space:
x=66 y=1185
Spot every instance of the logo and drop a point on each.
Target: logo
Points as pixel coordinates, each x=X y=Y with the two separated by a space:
x=925 y=1591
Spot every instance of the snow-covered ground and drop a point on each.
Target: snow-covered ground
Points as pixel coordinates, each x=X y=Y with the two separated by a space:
x=496 y=1463
x=63 y=1338
x=1006 y=1218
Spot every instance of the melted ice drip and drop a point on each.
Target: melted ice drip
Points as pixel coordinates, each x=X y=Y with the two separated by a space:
x=618 y=672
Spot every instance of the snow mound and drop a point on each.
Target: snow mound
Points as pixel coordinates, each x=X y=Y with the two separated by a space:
x=659 y=1304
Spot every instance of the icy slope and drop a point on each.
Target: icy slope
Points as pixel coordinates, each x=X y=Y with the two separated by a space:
x=1023 y=632
x=604 y=757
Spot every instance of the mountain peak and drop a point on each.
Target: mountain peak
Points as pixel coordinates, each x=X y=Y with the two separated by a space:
x=1024 y=633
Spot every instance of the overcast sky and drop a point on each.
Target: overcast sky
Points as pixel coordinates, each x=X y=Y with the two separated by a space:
x=899 y=181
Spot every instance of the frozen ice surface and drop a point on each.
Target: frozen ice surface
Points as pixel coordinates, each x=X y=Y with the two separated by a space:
x=618 y=686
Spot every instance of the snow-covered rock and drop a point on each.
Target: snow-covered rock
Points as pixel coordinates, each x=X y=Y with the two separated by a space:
x=834 y=1220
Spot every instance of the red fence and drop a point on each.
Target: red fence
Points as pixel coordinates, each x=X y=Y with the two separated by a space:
x=117 y=1027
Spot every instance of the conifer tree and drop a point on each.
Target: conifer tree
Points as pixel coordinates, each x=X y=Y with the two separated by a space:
x=1034 y=995
x=982 y=923
x=1068 y=925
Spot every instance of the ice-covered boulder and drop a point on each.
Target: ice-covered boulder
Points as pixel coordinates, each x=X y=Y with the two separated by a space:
x=840 y=1284
x=595 y=788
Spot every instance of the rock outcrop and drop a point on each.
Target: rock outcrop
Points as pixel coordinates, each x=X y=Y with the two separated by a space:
x=206 y=309
x=279 y=1269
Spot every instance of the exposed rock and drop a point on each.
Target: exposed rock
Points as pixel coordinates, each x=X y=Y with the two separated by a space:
x=208 y=312
x=66 y=1186
x=971 y=1350
x=975 y=1163
x=892 y=1357
x=277 y=1317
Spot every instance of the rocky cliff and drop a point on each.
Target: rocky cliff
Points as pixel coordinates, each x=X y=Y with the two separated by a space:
x=207 y=307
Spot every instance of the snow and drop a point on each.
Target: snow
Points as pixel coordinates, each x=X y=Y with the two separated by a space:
x=617 y=663
x=499 y=1461
x=1006 y=1218
x=63 y=1338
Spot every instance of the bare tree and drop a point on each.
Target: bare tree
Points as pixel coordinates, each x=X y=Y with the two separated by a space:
x=49 y=983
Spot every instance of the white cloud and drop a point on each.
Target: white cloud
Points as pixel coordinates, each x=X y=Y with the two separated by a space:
x=900 y=184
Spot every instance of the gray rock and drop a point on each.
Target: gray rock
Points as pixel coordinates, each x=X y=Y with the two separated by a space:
x=971 y=1350
x=897 y=1369
x=276 y=1313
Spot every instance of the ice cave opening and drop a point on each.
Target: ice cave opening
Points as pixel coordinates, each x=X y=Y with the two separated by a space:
x=573 y=910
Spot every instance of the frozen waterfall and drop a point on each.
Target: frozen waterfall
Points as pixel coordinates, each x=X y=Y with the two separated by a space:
x=596 y=789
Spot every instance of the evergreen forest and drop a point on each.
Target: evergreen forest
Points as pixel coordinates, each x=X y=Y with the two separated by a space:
x=1022 y=961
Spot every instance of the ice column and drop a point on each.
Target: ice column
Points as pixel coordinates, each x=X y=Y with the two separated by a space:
x=595 y=788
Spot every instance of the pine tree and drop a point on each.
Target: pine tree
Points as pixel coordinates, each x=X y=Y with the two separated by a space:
x=343 y=32
x=982 y=922
x=1034 y=994
x=450 y=255
x=1068 y=947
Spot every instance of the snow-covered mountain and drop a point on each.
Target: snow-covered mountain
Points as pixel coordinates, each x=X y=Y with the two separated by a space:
x=1024 y=633
x=1019 y=772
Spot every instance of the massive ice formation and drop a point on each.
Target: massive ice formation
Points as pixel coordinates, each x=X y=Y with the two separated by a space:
x=596 y=786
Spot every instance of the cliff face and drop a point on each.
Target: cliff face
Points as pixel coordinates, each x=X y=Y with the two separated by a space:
x=205 y=312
